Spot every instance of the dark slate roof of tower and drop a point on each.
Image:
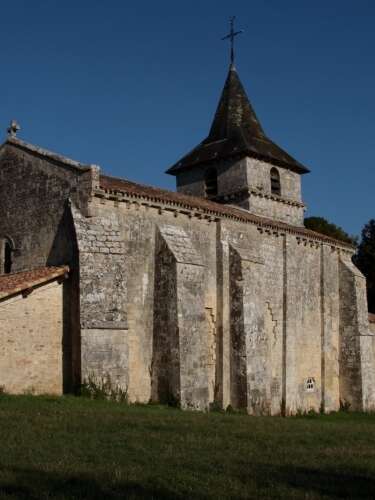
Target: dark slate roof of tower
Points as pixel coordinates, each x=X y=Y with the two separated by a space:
x=236 y=131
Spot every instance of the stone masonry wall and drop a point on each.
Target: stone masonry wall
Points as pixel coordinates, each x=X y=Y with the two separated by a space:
x=231 y=177
x=297 y=314
x=288 y=207
x=250 y=343
x=31 y=339
x=180 y=320
x=299 y=286
x=166 y=365
x=103 y=314
x=247 y=183
x=245 y=315
x=140 y=296
x=259 y=177
x=357 y=373
x=33 y=196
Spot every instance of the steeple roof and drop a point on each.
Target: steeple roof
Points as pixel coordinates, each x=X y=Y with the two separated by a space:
x=236 y=131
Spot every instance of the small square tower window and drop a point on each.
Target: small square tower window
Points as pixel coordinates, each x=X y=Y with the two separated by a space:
x=310 y=384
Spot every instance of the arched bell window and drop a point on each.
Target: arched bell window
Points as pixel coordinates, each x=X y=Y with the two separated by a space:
x=210 y=181
x=6 y=247
x=275 y=181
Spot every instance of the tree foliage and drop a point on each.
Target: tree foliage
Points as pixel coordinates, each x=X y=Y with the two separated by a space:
x=365 y=260
x=322 y=226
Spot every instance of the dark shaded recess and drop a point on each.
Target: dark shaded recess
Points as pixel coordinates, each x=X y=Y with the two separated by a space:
x=236 y=131
x=275 y=182
x=237 y=338
x=165 y=386
x=64 y=251
x=7 y=257
x=210 y=180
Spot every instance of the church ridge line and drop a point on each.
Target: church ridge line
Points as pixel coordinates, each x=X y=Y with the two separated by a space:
x=134 y=189
x=45 y=153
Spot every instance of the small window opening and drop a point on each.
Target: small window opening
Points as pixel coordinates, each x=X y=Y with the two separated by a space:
x=275 y=182
x=210 y=180
x=310 y=384
x=7 y=266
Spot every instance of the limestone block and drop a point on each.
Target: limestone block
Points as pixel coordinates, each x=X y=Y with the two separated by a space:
x=357 y=374
x=31 y=341
x=250 y=360
x=180 y=361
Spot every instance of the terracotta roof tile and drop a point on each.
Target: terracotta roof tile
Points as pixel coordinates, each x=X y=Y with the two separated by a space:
x=371 y=318
x=115 y=184
x=11 y=284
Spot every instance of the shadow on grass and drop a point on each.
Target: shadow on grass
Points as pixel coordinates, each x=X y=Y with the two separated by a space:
x=34 y=484
x=270 y=481
x=320 y=482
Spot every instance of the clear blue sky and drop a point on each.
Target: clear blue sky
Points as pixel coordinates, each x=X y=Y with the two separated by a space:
x=132 y=86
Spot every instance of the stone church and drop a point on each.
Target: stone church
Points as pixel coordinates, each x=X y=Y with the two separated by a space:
x=215 y=293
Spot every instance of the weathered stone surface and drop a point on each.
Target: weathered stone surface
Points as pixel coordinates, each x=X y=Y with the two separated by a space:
x=180 y=364
x=357 y=375
x=31 y=341
x=188 y=305
x=247 y=183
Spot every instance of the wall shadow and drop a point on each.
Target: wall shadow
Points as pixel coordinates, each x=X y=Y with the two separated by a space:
x=64 y=251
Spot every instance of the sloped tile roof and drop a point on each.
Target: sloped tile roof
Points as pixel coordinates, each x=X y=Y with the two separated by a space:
x=114 y=184
x=11 y=284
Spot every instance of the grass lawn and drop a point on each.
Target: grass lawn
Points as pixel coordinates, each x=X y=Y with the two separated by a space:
x=77 y=448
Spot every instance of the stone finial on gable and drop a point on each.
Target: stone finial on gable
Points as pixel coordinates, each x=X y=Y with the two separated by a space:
x=13 y=128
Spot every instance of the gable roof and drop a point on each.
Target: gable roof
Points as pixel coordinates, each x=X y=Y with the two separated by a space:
x=45 y=154
x=11 y=284
x=235 y=131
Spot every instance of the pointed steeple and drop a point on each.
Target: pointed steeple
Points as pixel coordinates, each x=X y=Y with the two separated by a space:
x=236 y=131
x=234 y=114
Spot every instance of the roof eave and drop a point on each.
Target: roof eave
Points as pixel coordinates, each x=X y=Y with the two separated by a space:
x=180 y=166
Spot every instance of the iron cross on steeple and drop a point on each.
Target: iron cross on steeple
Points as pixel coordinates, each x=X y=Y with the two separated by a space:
x=231 y=37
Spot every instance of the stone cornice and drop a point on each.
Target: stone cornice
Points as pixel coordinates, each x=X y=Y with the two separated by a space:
x=243 y=193
x=275 y=197
x=201 y=208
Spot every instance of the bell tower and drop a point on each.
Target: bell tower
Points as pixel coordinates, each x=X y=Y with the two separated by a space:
x=238 y=164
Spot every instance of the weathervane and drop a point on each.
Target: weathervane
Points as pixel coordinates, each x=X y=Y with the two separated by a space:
x=231 y=37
